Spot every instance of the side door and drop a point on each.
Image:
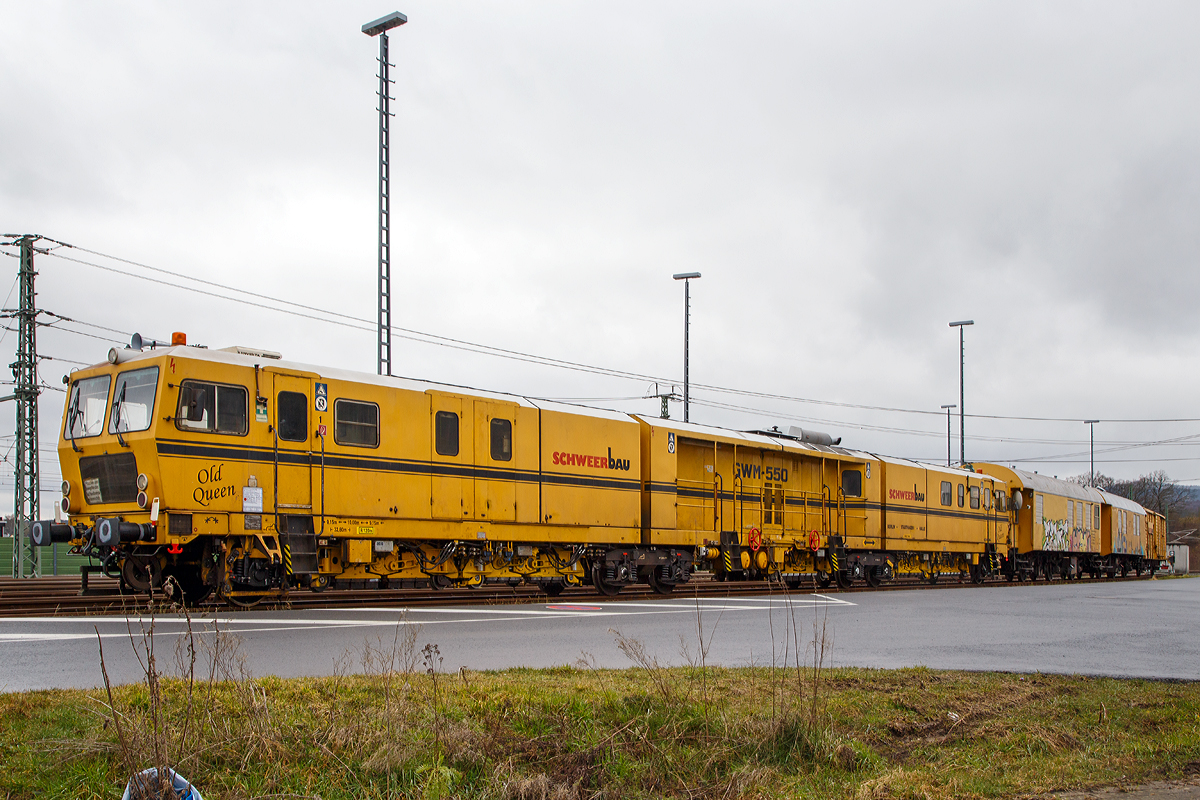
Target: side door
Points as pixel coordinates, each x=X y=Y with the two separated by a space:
x=495 y=478
x=452 y=463
x=292 y=444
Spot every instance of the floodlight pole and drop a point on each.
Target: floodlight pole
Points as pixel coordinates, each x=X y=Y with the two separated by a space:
x=687 y=278
x=1091 y=423
x=962 y=424
x=952 y=405
x=379 y=28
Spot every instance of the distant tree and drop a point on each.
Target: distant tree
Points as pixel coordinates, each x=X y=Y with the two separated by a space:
x=1100 y=481
x=1155 y=491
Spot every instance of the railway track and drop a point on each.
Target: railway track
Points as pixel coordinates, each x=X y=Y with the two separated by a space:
x=61 y=595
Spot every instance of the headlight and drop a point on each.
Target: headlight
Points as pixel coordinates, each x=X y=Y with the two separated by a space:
x=65 y=504
x=66 y=487
x=142 y=482
x=142 y=500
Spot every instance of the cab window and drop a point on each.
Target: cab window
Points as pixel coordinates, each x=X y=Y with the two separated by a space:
x=212 y=407
x=947 y=493
x=501 y=440
x=962 y=493
x=356 y=423
x=445 y=433
x=293 y=416
x=1096 y=517
x=987 y=497
x=851 y=483
x=85 y=409
x=974 y=497
x=133 y=401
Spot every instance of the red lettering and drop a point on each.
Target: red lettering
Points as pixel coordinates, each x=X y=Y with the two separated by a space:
x=603 y=462
x=555 y=456
x=591 y=461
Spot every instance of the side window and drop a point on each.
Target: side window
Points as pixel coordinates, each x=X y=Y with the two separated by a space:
x=852 y=483
x=501 y=440
x=1096 y=517
x=974 y=497
x=293 y=417
x=212 y=407
x=947 y=494
x=987 y=497
x=356 y=423
x=445 y=433
x=962 y=494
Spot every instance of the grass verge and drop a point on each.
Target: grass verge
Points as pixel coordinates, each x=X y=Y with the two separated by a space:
x=575 y=732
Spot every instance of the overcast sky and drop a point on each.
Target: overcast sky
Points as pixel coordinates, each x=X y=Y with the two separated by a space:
x=848 y=177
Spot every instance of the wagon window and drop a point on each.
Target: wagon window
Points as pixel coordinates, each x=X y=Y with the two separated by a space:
x=501 y=440
x=293 y=416
x=947 y=493
x=133 y=400
x=445 y=433
x=962 y=494
x=987 y=497
x=212 y=408
x=1096 y=517
x=85 y=411
x=356 y=423
x=974 y=497
x=851 y=483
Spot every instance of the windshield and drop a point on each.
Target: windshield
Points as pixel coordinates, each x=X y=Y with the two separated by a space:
x=85 y=411
x=133 y=400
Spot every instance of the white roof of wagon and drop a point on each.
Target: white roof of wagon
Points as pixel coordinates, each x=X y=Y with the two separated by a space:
x=1048 y=485
x=937 y=469
x=351 y=376
x=1117 y=501
x=697 y=431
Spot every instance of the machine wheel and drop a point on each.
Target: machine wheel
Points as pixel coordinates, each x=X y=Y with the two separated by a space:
x=439 y=582
x=246 y=600
x=874 y=577
x=601 y=585
x=823 y=579
x=194 y=591
x=659 y=586
x=140 y=575
x=978 y=574
x=843 y=579
x=934 y=574
x=553 y=588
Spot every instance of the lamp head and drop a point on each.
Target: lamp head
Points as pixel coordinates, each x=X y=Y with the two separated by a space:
x=962 y=322
x=1090 y=421
x=392 y=20
x=684 y=276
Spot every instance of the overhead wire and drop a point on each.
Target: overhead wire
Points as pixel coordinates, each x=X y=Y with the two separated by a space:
x=358 y=323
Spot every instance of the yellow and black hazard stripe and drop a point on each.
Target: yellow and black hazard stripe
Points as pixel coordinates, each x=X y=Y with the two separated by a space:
x=728 y=559
x=287 y=559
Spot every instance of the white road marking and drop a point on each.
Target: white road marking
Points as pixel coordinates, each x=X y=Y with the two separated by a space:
x=398 y=616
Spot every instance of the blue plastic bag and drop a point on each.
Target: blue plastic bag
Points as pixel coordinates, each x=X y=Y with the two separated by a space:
x=182 y=786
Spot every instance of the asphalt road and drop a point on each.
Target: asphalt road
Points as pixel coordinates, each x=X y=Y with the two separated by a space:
x=1144 y=629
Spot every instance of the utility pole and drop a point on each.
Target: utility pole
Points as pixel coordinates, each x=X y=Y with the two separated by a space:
x=27 y=559
x=962 y=405
x=379 y=28
x=687 y=278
